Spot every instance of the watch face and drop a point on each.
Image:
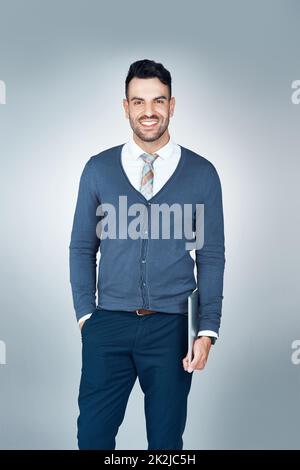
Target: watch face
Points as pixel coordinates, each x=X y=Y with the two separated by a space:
x=212 y=338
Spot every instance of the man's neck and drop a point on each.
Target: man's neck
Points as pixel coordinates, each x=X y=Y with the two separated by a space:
x=152 y=147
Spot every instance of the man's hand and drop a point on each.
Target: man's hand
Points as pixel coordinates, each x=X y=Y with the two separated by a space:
x=81 y=323
x=201 y=350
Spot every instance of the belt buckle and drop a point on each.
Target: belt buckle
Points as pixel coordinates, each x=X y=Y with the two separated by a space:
x=140 y=314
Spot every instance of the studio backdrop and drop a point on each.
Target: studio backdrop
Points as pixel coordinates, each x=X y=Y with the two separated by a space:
x=236 y=80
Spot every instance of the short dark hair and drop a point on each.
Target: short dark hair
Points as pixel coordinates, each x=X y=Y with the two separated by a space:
x=146 y=68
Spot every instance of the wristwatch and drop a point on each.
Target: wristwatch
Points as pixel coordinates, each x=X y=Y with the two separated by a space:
x=212 y=338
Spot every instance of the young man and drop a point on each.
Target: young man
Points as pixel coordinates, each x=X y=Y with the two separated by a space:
x=139 y=326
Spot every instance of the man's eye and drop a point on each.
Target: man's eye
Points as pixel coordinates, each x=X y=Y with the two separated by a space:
x=137 y=102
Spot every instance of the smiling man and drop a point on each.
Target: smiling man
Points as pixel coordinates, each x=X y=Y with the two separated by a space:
x=138 y=327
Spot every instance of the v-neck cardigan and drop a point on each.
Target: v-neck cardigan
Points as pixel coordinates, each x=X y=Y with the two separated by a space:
x=147 y=272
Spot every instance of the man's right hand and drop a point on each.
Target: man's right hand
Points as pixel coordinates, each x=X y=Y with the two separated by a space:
x=83 y=319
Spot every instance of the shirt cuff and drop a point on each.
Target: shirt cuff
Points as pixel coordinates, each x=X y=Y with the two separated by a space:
x=85 y=317
x=211 y=333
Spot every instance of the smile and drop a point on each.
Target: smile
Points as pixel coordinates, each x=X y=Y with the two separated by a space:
x=149 y=124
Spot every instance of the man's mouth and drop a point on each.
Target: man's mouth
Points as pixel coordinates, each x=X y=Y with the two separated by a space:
x=149 y=123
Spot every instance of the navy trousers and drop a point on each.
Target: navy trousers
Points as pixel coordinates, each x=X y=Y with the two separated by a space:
x=118 y=347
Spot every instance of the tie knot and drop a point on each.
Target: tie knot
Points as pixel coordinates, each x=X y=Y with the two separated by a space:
x=149 y=157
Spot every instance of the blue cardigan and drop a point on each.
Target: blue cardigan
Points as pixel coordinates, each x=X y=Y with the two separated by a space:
x=144 y=271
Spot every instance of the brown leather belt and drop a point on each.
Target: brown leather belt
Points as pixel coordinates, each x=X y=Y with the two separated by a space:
x=142 y=311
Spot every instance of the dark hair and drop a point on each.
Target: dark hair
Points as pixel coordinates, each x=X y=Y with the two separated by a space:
x=148 y=69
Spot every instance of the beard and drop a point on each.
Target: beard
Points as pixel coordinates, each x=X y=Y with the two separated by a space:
x=149 y=136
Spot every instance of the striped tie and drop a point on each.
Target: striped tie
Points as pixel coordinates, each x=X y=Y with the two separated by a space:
x=146 y=187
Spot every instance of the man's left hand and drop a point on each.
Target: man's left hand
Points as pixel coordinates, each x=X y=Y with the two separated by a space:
x=201 y=349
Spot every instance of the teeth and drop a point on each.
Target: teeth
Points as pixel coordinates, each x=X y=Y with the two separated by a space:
x=148 y=123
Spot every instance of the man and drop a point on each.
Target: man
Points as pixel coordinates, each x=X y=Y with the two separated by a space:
x=139 y=326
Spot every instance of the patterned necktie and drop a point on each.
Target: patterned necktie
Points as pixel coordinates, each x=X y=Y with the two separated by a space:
x=146 y=187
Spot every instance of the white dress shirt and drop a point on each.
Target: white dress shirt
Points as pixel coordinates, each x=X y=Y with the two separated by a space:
x=163 y=167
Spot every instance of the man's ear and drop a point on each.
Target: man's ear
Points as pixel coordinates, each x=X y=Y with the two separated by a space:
x=125 y=106
x=172 y=105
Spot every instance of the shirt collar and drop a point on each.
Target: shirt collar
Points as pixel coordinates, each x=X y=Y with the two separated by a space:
x=164 y=152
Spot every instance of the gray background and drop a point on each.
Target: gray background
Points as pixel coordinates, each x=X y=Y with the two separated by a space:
x=64 y=64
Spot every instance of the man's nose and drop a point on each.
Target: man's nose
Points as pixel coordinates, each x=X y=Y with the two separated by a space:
x=148 y=110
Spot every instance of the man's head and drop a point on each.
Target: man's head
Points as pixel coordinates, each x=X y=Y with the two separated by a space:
x=149 y=103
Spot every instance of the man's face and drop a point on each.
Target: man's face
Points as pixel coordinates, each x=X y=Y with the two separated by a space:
x=148 y=108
